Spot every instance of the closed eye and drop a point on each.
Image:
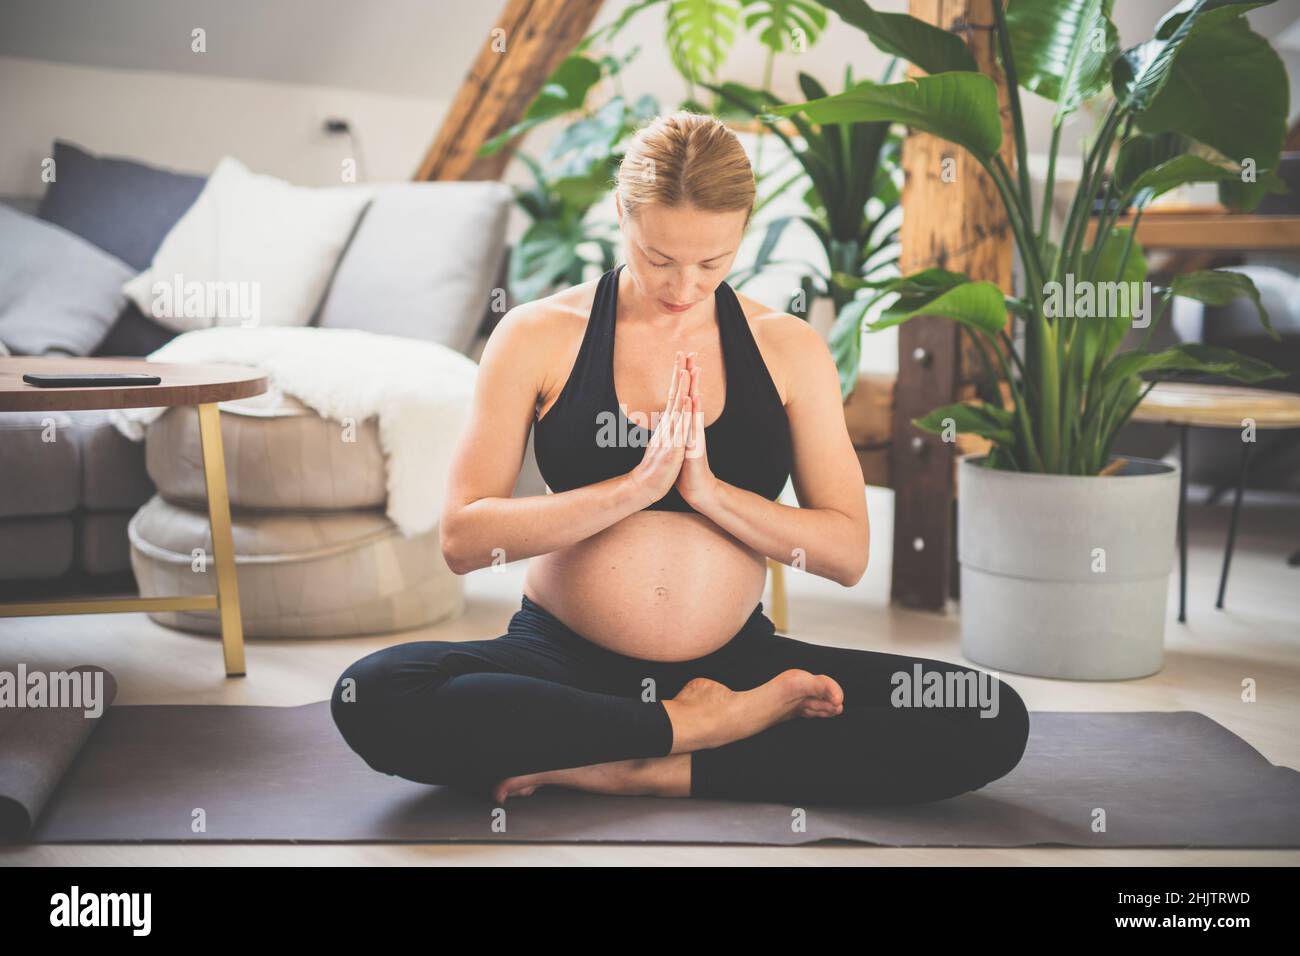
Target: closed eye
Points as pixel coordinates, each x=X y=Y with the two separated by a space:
x=665 y=265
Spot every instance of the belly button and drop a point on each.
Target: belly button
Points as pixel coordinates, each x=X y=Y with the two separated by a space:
x=660 y=591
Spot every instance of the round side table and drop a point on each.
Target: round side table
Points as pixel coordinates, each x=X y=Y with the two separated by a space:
x=1188 y=405
x=200 y=385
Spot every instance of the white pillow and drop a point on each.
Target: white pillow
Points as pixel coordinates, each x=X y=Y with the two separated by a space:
x=252 y=250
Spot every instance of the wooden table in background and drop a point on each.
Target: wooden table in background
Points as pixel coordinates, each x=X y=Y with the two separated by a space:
x=1188 y=405
x=200 y=385
x=1210 y=229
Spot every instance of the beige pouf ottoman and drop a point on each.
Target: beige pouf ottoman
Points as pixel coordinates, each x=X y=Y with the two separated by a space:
x=279 y=454
x=315 y=555
x=301 y=574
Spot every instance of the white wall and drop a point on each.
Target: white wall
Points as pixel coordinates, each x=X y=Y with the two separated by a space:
x=188 y=122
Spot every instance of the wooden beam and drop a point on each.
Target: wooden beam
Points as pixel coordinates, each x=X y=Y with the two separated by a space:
x=952 y=219
x=531 y=38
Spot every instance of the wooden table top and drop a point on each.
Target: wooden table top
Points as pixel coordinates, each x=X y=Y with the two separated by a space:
x=1218 y=406
x=182 y=384
x=1207 y=228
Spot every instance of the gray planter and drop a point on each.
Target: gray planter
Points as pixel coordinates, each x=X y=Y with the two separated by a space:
x=1065 y=576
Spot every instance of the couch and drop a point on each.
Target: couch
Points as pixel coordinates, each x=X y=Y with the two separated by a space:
x=423 y=262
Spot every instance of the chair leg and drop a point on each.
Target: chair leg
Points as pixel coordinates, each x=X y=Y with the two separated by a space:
x=1182 y=524
x=1232 y=524
x=779 y=616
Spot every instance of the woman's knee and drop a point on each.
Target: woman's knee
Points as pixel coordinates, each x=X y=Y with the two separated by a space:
x=1004 y=739
x=367 y=693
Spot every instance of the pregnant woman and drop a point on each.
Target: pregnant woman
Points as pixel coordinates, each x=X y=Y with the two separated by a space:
x=668 y=413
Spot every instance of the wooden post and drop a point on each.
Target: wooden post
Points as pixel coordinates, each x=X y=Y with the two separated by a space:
x=531 y=38
x=953 y=219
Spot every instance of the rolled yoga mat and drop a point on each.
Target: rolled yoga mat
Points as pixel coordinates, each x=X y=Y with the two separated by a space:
x=243 y=774
x=39 y=743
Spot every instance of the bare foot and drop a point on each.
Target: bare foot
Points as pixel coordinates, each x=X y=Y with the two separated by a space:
x=708 y=714
x=655 y=776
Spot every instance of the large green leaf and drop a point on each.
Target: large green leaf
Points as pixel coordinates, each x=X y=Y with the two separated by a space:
x=845 y=343
x=565 y=91
x=1063 y=49
x=1140 y=153
x=977 y=305
x=1103 y=335
x=933 y=49
x=1245 y=196
x=1219 y=288
x=959 y=107
x=1140 y=73
x=1227 y=88
x=588 y=141
x=987 y=421
x=1177 y=172
x=1190 y=357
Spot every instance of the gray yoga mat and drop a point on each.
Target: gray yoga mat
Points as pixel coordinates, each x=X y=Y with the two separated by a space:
x=156 y=773
x=38 y=744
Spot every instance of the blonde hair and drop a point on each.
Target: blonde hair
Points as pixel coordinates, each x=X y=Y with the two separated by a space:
x=686 y=158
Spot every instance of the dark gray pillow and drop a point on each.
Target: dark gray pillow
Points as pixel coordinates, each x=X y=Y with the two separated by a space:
x=58 y=293
x=122 y=206
x=134 y=334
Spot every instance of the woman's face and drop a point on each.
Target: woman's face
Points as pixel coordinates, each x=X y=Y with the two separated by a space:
x=679 y=256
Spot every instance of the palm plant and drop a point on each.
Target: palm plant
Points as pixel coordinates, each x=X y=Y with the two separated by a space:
x=846 y=167
x=1204 y=100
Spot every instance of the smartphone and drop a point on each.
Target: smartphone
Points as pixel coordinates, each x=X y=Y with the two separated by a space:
x=91 y=379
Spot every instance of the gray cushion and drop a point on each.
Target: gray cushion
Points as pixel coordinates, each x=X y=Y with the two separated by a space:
x=104 y=547
x=122 y=206
x=134 y=334
x=113 y=474
x=29 y=205
x=36 y=548
x=422 y=262
x=58 y=293
x=40 y=464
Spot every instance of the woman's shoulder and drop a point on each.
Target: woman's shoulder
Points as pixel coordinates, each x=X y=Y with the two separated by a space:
x=784 y=340
x=549 y=321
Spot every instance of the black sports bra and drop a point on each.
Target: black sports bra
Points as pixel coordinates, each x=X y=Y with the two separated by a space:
x=585 y=436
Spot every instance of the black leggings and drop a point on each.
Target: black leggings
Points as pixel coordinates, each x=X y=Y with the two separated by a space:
x=542 y=697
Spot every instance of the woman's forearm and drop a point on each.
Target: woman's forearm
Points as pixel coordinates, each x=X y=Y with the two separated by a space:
x=821 y=541
x=500 y=530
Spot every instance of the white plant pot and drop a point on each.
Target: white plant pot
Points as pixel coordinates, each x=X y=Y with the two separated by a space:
x=1066 y=576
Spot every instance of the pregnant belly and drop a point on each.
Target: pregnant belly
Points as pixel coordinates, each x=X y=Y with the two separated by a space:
x=658 y=585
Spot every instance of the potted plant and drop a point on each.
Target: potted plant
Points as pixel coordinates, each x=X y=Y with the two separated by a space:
x=1065 y=551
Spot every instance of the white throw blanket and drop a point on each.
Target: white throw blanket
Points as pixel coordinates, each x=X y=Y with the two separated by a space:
x=419 y=391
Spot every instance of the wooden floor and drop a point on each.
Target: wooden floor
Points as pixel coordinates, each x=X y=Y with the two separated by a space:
x=1257 y=636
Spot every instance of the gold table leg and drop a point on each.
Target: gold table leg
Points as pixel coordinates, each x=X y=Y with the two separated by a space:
x=778 y=595
x=225 y=602
x=223 y=547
